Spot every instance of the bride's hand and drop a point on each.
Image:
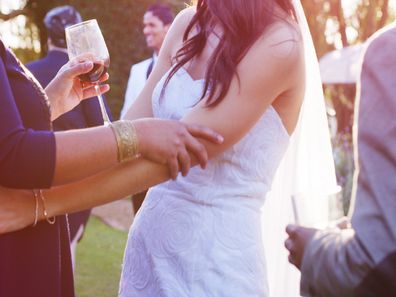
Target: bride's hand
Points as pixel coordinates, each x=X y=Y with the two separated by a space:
x=170 y=142
x=66 y=90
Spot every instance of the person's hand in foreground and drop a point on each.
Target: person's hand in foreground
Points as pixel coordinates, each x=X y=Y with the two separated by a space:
x=66 y=90
x=170 y=143
x=298 y=239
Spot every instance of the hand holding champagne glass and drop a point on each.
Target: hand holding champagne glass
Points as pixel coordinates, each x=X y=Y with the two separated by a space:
x=86 y=38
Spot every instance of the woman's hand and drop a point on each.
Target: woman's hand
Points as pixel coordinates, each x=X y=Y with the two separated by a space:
x=170 y=142
x=17 y=209
x=66 y=90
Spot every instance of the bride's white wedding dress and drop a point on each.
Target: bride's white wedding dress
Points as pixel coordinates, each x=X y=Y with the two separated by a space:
x=201 y=235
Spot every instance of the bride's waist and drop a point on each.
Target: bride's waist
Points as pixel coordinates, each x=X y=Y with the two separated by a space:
x=214 y=191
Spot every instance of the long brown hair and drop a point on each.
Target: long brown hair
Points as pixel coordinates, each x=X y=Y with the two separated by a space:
x=242 y=22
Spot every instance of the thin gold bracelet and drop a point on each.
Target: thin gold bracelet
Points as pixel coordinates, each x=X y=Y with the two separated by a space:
x=37 y=208
x=52 y=220
x=127 y=140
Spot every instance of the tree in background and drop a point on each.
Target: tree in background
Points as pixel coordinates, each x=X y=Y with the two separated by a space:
x=369 y=16
x=331 y=28
x=32 y=33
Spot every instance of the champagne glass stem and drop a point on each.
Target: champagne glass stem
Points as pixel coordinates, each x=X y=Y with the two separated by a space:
x=106 y=120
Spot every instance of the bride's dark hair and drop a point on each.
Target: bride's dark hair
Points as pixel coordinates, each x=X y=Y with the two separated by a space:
x=242 y=22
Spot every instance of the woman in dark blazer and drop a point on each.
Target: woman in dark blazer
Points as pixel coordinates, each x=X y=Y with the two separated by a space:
x=35 y=261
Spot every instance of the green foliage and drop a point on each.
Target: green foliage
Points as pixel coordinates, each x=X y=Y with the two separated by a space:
x=26 y=55
x=317 y=13
x=344 y=165
x=98 y=261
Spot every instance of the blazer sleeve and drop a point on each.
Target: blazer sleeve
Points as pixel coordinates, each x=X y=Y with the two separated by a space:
x=374 y=215
x=27 y=157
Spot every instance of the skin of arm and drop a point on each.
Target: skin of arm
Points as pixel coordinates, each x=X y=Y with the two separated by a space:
x=247 y=99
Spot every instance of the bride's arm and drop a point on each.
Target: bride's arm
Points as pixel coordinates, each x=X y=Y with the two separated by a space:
x=271 y=73
x=268 y=74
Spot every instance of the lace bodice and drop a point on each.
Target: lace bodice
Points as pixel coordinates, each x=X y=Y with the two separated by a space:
x=248 y=167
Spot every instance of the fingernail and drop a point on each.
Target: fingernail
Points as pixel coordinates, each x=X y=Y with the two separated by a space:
x=88 y=64
x=220 y=138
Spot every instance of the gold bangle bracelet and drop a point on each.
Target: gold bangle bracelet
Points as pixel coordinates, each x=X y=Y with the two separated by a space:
x=52 y=220
x=36 y=209
x=127 y=140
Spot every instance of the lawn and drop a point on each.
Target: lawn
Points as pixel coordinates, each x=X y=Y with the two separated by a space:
x=99 y=258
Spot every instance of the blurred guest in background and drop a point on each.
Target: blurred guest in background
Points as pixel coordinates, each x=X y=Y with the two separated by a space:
x=156 y=23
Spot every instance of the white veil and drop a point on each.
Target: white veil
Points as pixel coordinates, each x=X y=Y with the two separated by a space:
x=306 y=173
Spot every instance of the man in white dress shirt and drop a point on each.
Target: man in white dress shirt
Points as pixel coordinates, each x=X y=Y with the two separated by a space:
x=156 y=22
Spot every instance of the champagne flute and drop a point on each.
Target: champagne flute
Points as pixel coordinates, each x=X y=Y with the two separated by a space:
x=317 y=209
x=86 y=38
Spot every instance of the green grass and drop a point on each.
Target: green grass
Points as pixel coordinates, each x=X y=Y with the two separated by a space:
x=98 y=262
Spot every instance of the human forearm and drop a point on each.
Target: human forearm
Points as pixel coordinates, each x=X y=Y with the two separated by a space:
x=113 y=184
x=81 y=153
x=18 y=207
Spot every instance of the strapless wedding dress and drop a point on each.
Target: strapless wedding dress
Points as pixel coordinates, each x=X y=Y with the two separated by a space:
x=201 y=235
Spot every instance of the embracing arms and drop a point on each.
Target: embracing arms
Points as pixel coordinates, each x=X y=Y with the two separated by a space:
x=39 y=159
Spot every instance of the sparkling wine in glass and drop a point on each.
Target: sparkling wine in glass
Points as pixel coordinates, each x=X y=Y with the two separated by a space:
x=86 y=39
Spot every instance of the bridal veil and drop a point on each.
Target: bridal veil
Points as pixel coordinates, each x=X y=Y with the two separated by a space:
x=304 y=180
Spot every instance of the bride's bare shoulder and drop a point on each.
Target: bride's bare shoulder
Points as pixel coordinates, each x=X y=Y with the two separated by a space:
x=280 y=48
x=182 y=19
x=283 y=39
x=174 y=39
x=186 y=14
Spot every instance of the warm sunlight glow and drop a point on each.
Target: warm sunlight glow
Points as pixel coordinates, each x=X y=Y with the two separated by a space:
x=350 y=6
x=10 y=30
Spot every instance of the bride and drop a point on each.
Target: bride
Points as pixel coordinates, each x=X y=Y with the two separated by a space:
x=242 y=68
x=238 y=67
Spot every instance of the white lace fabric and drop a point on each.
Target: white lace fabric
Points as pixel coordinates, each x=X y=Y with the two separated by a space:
x=201 y=235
